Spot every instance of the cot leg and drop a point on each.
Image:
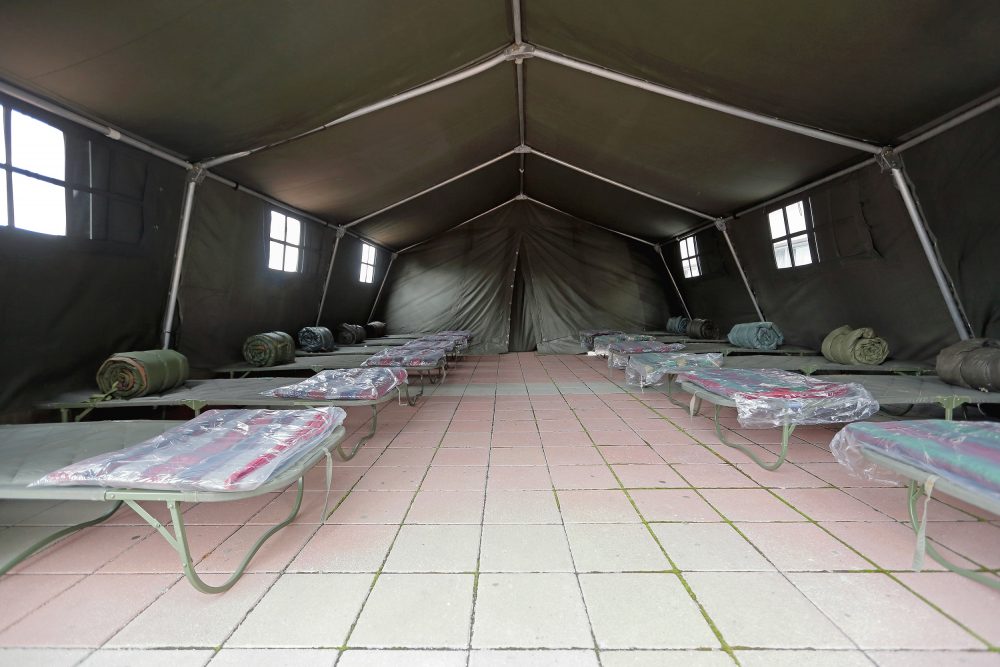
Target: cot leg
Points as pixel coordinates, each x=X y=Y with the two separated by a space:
x=695 y=406
x=64 y=415
x=915 y=491
x=670 y=394
x=179 y=541
x=411 y=400
x=37 y=546
x=786 y=432
x=340 y=446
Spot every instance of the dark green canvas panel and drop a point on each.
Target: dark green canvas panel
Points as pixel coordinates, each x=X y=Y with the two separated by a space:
x=348 y=299
x=206 y=78
x=873 y=69
x=872 y=271
x=350 y=170
x=442 y=209
x=591 y=199
x=718 y=294
x=701 y=159
x=956 y=176
x=227 y=291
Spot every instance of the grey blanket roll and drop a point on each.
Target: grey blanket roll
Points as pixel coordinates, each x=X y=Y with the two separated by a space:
x=974 y=364
x=677 y=324
x=316 y=339
x=756 y=335
x=702 y=328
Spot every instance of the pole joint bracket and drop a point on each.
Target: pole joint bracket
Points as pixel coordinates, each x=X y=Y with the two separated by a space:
x=520 y=197
x=721 y=224
x=341 y=232
x=518 y=52
x=522 y=150
x=887 y=159
x=196 y=173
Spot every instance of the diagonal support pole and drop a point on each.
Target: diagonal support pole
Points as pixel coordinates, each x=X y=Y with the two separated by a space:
x=721 y=225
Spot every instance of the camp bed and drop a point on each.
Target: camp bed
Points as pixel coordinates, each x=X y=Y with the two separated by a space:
x=619 y=353
x=731 y=350
x=960 y=459
x=305 y=364
x=29 y=452
x=775 y=398
x=429 y=362
x=819 y=365
x=908 y=390
x=653 y=369
x=197 y=395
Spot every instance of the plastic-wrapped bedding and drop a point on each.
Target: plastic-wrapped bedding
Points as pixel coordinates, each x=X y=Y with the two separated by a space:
x=602 y=342
x=316 y=339
x=701 y=328
x=460 y=342
x=359 y=384
x=269 y=349
x=448 y=346
x=845 y=345
x=770 y=398
x=756 y=335
x=647 y=370
x=618 y=353
x=974 y=364
x=134 y=374
x=221 y=450
x=966 y=453
x=587 y=336
x=677 y=325
x=426 y=358
x=457 y=332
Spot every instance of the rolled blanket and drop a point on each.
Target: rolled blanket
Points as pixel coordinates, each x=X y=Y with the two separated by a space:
x=677 y=325
x=350 y=334
x=132 y=374
x=269 y=349
x=845 y=345
x=375 y=329
x=756 y=335
x=701 y=328
x=316 y=339
x=971 y=363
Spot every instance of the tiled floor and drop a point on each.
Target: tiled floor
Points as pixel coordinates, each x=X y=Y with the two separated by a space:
x=529 y=511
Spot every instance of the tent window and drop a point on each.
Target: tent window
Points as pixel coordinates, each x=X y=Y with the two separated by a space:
x=284 y=252
x=792 y=235
x=690 y=259
x=33 y=171
x=367 y=263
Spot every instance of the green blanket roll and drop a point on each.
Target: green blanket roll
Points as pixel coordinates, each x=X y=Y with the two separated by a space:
x=974 y=364
x=269 y=349
x=845 y=345
x=756 y=335
x=702 y=328
x=133 y=374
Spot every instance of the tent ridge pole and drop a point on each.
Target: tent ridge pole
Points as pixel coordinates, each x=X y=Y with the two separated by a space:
x=889 y=161
x=722 y=226
x=423 y=89
x=195 y=175
x=378 y=295
x=729 y=109
x=679 y=207
x=329 y=273
x=670 y=274
x=430 y=189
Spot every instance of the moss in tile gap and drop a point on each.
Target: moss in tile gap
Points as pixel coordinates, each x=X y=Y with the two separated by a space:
x=941 y=611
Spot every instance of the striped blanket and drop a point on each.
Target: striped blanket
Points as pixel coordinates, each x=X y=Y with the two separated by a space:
x=360 y=384
x=407 y=358
x=966 y=453
x=601 y=343
x=769 y=398
x=618 y=353
x=221 y=450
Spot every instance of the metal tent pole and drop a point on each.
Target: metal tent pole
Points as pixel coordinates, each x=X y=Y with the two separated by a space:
x=195 y=175
x=721 y=226
x=378 y=296
x=670 y=274
x=329 y=272
x=890 y=161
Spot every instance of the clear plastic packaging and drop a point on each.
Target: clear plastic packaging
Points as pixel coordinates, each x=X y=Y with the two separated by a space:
x=772 y=398
x=460 y=342
x=618 y=353
x=587 y=336
x=448 y=346
x=360 y=384
x=602 y=342
x=221 y=450
x=406 y=358
x=966 y=453
x=647 y=370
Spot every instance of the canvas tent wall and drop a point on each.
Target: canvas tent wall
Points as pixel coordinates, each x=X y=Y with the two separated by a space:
x=397 y=121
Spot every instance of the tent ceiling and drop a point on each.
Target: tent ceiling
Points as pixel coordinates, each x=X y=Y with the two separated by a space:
x=208 y=78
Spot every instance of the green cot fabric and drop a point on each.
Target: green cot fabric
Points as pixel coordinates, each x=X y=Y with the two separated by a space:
x=845 y=345
x=269 y=349
x=133 y=374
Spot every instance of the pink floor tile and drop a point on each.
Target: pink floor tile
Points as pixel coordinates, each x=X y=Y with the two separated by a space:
x=236 y=512
x=788 y=476
x=461 y=456
x=372 y=507
x=89 y=613
x=750 y=505
x=838 y=475
x=86 y=551
x=457 y=439
x=596 y=507
x=514 y=427
x=580 y=439
x=407 y=440
x=556 y=455
x=648 y=476
x=889 y=544
x=641 y=454
x=830 y=505
x=23 y=593
x=892 y=501
x=963 y=658
x=392 y=478
x=567 y=425
x=968 y=602
x=153 y=555
x=406 y=457
x=517 y=456
x=516 y=478
x=274 y=556
x=516 y=439
x=673 y=505
x=345 y=548
x=454 y=478
x=801 y=547
x=714 y=476
x=446 y=507
x=617 y=438
x=518 y=507
x=311 y=511
x=979 y=541
x=582 y=477
x=686 y=454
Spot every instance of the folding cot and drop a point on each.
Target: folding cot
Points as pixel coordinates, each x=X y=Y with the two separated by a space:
x=775 y=398
x=619 y=353
x=295 y=441
x=961 y=459
x=327 y=390
x=920 y=390
x=313 y=363
x=819 y=365
x=422 y=361
x=731 y=350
